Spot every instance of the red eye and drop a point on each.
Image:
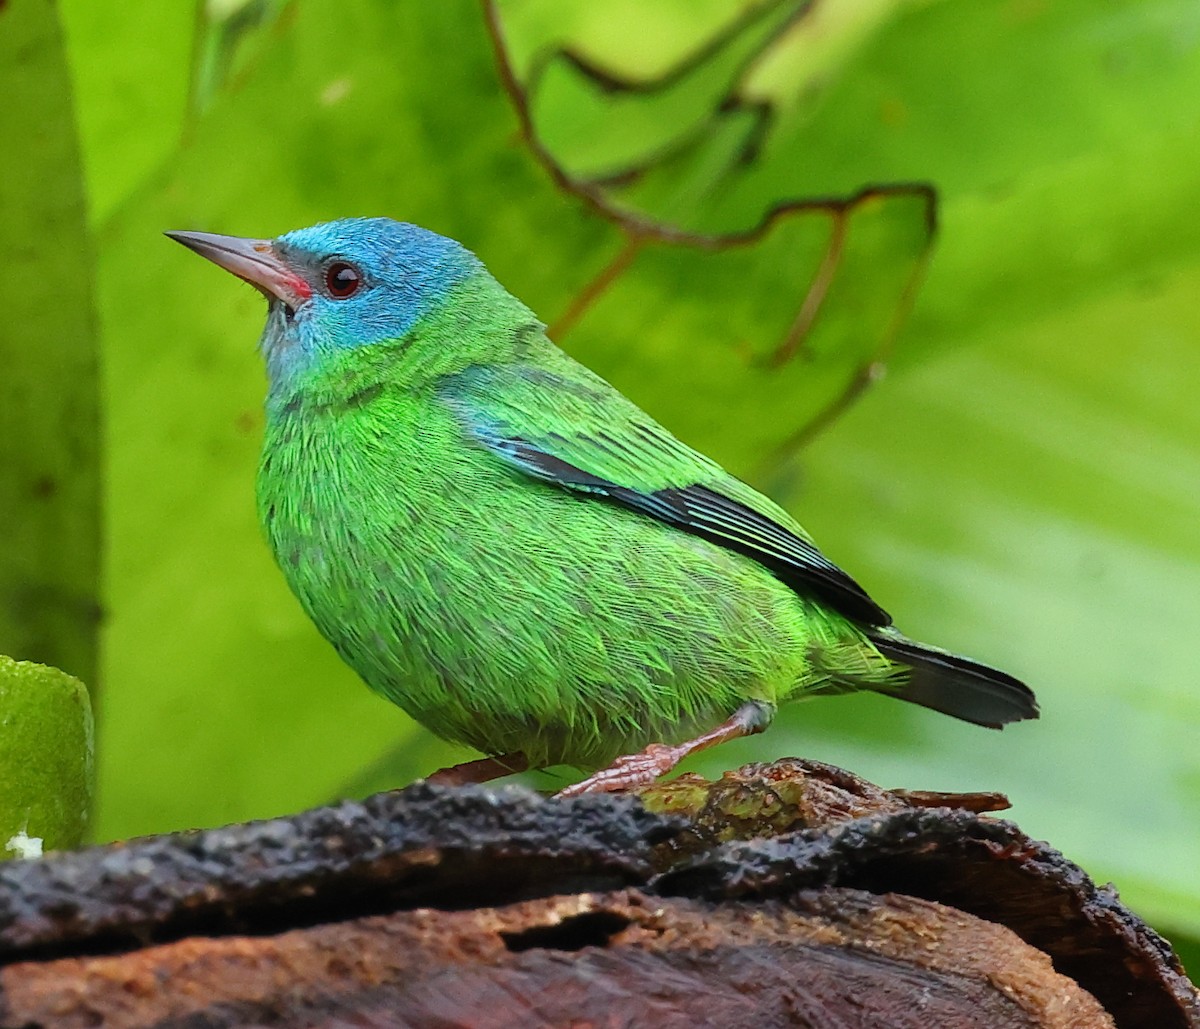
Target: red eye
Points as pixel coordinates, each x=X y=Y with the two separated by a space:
x=342 y=280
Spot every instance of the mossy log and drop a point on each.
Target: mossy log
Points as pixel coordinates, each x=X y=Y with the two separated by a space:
x=789 y=894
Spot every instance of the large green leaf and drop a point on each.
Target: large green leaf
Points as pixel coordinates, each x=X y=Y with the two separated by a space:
x=49 y=440
x=132 y=69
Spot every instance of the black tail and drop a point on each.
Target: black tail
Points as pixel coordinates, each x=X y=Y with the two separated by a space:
x=957 y=685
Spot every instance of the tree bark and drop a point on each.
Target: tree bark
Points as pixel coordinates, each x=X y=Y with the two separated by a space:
x=790 y=894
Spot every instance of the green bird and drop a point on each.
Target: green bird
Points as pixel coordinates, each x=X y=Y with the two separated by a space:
x=503 y=544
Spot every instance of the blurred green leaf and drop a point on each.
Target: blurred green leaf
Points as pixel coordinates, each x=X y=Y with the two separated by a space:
x=49 y=440
x=45 y=759
x=600 y=126
x=132 y=68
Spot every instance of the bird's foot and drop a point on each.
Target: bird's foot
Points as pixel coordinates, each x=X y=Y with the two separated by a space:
x=629 y=771
x=659 y=758
x=482 y=770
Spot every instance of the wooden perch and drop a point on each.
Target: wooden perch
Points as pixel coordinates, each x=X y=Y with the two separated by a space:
x=789 y=894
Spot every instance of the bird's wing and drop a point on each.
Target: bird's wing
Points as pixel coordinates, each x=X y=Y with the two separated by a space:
x=580 y=434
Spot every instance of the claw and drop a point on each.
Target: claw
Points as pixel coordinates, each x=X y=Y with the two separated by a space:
x=628 y=771
x=657 y=759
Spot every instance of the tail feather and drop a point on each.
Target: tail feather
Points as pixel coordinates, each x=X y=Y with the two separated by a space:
x=957 y=685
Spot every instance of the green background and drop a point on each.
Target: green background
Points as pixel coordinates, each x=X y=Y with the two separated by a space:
x=754 y=185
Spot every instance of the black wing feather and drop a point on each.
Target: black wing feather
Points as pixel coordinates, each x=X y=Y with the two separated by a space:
x=717 y=518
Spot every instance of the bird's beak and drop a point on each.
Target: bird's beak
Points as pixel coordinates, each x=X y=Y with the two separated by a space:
x=253 y=260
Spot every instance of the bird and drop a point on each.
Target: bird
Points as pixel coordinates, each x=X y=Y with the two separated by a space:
x=503 y=544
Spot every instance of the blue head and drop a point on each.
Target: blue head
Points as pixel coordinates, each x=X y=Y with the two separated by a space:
x=339 y=285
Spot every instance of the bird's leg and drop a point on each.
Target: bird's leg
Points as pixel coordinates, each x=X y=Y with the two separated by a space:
x=483 y=769
x=659 y=758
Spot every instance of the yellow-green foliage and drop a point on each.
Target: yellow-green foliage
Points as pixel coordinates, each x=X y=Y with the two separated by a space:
x=45 y=759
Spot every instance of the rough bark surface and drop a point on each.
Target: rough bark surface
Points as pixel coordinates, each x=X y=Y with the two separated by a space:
x=792 y=894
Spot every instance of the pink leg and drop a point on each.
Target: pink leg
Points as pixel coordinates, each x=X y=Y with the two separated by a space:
x=480 y=770
x=658 y=758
